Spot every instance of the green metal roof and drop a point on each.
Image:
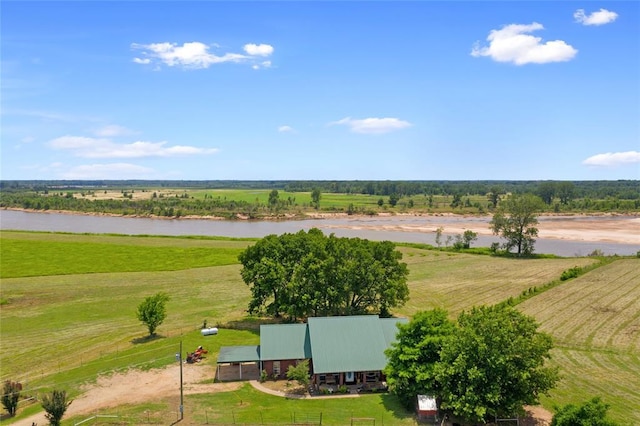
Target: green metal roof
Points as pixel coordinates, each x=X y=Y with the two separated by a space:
x=390 y=328
x=231 y=354
x=350 y=343
x=284 y=341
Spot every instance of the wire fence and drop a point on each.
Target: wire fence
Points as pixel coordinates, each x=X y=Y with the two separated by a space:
x=207 y=417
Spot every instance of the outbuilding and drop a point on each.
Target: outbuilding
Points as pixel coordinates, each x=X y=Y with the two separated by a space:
x=427 y=409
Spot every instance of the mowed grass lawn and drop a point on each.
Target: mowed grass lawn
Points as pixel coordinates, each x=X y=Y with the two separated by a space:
x=595 y=321
x=63 y=324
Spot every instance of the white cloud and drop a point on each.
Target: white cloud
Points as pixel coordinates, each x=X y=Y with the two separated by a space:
x=512 y=43
x=285 y=129
x=601 y=17
x=258 y=49
x=104 y=148
x=613 y=159
x=195 y=55
x=107 y=171
x=112 y=130
x=373 y=125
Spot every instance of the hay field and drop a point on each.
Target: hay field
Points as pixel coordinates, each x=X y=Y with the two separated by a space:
x=458 y=281
x=595 y=321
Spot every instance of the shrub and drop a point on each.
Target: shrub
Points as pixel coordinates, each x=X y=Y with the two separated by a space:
x=570 y=273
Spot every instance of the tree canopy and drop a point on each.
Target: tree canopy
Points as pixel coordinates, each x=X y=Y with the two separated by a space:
x=494 y=364
x=515 y=220
x=413 y=357
x=309 y=274
x=152 y=311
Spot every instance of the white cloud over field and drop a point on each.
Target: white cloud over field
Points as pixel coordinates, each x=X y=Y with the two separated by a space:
x=86 y=147
x=613 y=159
x=514 y=43
x=601 y=17
x=372 y=125
x=197 y=55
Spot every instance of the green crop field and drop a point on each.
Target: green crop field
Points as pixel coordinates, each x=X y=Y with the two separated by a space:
x=69 y=301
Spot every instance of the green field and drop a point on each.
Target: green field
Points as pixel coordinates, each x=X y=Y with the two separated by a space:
x=595 y=320
x=69 y=300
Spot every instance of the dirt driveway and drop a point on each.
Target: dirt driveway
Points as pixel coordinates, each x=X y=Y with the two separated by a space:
x=137 y=387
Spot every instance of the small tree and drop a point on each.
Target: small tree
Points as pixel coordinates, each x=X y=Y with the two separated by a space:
x=494 y=195
x=55 y=404
x=590 y=413
x=152 y=311
x=299 y=373
x=10 y=396
x=316 y=194
x=439 y=236
x=468 y=237
x=274 y=198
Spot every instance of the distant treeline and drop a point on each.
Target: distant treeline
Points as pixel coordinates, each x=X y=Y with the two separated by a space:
x=597 y=189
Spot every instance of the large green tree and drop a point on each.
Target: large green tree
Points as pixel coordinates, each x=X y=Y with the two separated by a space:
x=152 y=311
x=590 y=413
x=411 y=369
x=309 y=274
x=515 y=220
x=494 y=364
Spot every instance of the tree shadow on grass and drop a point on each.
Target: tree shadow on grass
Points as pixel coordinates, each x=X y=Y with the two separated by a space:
x=394 y=406
x=147 y=339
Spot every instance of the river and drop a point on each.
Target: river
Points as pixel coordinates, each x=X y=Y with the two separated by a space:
x=415 y=229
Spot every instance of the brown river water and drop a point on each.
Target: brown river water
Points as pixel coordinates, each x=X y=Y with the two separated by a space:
x=560 y=235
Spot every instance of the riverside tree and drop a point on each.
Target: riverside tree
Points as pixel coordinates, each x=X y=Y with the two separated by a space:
x=515 y=220
x=494 y=364
x=309 y=274
x=152 y=311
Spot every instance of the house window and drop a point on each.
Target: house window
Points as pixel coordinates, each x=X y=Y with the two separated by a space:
x=276 y=368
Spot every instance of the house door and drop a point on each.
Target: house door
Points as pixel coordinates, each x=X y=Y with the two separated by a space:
x=349 y=377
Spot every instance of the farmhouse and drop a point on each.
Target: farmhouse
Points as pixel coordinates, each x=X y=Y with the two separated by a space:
x=343 y=350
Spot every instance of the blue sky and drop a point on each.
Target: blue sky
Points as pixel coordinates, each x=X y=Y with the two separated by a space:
x=419 y=90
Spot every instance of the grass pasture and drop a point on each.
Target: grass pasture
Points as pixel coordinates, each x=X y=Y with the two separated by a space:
x=63 y=325
x=249 y=406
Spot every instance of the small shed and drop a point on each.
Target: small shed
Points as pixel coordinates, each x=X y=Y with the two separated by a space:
x=239 y=355
x=427 y=408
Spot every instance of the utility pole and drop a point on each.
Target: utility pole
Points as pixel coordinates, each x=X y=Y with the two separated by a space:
x=179 y=358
